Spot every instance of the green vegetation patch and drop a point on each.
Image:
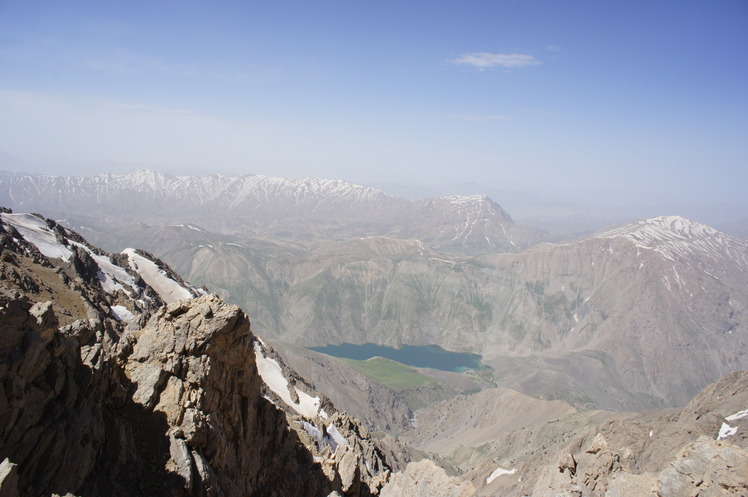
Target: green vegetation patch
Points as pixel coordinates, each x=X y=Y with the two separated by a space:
x=389 y=373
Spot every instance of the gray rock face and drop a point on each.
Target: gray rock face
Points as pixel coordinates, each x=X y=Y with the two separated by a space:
x=705 y=467
x=662 y=453
x=49 y=401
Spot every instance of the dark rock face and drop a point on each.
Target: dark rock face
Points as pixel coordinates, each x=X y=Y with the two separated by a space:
x=84 y=265
x=50 y=401
x=193 y=364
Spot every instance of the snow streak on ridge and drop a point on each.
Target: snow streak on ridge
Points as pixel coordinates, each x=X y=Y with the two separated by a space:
x=229 y=191
x=676 y=238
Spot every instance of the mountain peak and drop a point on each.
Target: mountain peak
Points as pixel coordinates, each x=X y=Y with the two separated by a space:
x=675 y=237
x=659 y=229
x=477 y=202
x=465 y=199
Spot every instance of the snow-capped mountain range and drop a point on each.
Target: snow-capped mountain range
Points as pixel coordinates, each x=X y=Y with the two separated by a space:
x=191 y=190
x=255 y=205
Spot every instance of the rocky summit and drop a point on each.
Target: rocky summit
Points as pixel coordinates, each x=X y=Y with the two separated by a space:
x=99 y=398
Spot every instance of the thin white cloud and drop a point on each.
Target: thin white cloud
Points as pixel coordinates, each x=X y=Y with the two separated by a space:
x=553 y=48
x=483 y=60
x=471 y=117
x=127 y=62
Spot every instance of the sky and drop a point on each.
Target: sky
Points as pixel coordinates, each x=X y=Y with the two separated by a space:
x=594 y=100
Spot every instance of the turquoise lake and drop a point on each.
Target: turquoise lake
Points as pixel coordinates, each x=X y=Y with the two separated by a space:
x=420 y=356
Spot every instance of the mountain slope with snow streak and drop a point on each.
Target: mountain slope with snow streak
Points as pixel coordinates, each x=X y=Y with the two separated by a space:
x=55 y=242
x=306 y=210
x=677 y=238
x=468 y=224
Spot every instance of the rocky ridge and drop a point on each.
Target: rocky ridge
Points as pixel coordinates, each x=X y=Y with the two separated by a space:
x=308 y=210
x=664 y=453
x=699 y=450
x=123 y=395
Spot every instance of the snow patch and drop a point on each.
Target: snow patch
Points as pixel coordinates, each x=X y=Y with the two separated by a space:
x=499 y=472
x=335 y=435
x=36 y=231
x=168 y=289
x=737 y=415
x=122 y=313
x=330 y=438
x=726 y=431
x=188 y=226
x=272 y=375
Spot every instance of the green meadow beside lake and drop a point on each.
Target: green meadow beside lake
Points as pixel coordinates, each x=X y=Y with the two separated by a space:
x=389 y=373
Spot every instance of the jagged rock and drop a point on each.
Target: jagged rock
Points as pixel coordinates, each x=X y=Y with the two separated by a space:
x=194 y=422
x=425 y=479
x=84 y=265
x=708 y=468
x=96 y=406
x=50 y=400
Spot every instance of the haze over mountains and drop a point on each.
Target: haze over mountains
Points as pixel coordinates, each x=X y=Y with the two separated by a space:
x=262 y=206
x=600 y=321
x=637 y=316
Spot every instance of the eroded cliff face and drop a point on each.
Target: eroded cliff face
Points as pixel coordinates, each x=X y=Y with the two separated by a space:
x=155 y=400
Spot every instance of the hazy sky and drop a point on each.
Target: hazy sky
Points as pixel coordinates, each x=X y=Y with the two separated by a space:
x=567 y=96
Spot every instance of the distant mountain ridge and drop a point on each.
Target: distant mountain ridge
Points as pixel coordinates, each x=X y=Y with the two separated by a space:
x=256 y=205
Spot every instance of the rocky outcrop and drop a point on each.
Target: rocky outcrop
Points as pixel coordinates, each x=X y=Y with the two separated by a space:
x=194 y=362
x=177 y=409
x=424 y=478
x=705 y=467
x=147 y=400
x=698 y=450
x=50 y=400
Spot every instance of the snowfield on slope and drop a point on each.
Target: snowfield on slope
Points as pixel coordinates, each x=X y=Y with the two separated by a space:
x=677 y=238
x=168 y=289
x=500 y=472
x=272 y=375
x=36 y=231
